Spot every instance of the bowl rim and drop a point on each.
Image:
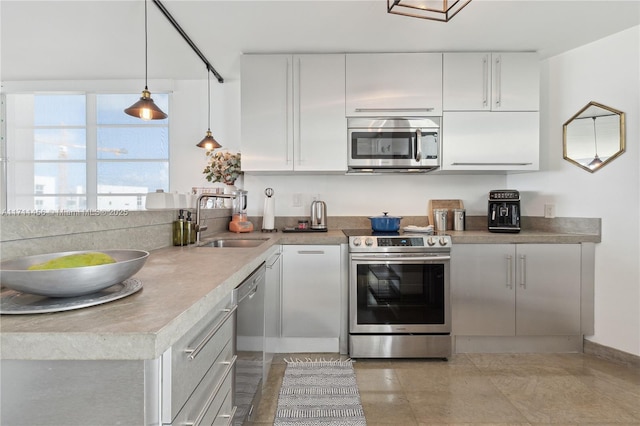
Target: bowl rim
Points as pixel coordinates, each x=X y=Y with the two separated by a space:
x=143 y=254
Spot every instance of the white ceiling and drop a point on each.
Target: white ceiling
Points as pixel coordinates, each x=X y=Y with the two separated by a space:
x=105 y=39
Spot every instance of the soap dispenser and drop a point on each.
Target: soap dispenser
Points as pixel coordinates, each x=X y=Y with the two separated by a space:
x=190 y=230
x=179 y=230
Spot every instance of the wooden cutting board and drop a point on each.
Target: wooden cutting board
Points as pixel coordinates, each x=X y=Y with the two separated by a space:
x=444 y=204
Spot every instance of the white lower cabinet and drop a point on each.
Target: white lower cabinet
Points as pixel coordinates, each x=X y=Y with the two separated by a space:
x=516 y=289
x=311 y=298
x=198 y=371
x=190 y=383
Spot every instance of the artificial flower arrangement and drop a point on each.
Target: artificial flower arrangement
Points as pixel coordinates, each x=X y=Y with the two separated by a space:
x=223 y=167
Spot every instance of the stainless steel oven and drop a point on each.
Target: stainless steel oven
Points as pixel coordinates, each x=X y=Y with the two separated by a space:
x=399 y=296
x=393 y=144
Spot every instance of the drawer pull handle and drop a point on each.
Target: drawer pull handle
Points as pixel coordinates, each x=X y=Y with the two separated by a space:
x=213 y=395
x=230 y=416
x=193 y=352
x=393 y=109
x=310 y=251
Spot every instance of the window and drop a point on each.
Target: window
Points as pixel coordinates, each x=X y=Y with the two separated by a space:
x=81 y=151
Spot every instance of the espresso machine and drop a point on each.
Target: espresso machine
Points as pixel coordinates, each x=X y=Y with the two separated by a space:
x=504 y=210
x=239 y=221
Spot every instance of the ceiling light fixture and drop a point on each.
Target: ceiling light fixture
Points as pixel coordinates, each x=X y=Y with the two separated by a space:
x=435 y=10
x=596 y=160
x=209 y=142
x=145 y=108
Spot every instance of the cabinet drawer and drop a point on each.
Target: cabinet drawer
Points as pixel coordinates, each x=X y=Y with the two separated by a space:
x=207 y=401
x=193 y=355
x=225 y=413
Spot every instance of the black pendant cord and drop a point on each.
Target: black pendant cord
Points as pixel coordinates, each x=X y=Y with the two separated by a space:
x=146 y=87
x=184 y=35
x=209 y=100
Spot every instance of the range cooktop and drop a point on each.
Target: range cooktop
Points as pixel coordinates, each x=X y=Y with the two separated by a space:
x=361 y=240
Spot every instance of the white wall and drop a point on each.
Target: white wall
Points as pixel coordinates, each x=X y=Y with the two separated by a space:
x=605 y=71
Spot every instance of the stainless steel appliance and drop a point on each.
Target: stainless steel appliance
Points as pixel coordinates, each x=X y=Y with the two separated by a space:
x=250 y=345
x=318 y=215
x=504 y=210
x=399 y=295
x=393 y=144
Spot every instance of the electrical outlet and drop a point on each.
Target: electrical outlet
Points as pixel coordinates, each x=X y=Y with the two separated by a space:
x=297 y=200
x=549 y=211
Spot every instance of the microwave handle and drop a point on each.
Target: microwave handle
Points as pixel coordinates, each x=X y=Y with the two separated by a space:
x=418 y=149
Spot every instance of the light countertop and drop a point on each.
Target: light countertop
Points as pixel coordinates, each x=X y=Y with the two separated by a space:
x=181 y=284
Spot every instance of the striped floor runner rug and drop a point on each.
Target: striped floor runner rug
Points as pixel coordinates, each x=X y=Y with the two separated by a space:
x=319 y=393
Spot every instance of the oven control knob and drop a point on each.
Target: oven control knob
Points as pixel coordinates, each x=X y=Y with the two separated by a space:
x=443 y=241
x=431 y=241
x=369 y=242
x=357 y=242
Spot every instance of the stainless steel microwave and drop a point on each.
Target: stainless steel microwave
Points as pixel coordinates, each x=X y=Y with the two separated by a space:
x=393 y=144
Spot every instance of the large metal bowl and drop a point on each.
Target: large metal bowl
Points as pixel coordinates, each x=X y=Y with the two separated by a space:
x=70 y=282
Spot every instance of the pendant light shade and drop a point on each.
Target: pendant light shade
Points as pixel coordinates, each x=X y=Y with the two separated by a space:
x=435 y=10
x=208 y=142
x=145 y=108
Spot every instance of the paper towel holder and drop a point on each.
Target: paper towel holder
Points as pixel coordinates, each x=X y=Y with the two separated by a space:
x=268 y=217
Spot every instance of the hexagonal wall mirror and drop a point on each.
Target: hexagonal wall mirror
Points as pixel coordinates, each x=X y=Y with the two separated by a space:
x=594 y=136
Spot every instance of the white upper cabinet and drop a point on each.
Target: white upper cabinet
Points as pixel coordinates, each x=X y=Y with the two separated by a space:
x=292 y=113
x=491 y=82
x=491 y=120
x=394 y=84
x=490 y=141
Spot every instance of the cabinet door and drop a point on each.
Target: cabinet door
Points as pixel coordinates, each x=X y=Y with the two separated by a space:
x=490 y=141
x=491 y=81
x=266 y=111
x=394 y=84
x=311 y=291
x=515 y=81
x=482 y=289
x=319 y=121
x=466 y=82
x=548 y=295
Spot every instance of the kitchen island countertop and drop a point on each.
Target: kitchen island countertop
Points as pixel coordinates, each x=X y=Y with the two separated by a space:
x=181 y=285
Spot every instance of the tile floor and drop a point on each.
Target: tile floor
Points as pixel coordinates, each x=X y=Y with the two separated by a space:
x=487 y=389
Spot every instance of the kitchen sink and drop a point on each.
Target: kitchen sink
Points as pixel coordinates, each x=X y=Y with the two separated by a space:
x=234 y=242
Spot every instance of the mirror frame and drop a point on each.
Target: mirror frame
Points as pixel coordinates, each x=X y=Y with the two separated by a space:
x=621 y=129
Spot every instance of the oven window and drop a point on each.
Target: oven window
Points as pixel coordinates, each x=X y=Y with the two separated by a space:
x=400 y=294
x=382 y=145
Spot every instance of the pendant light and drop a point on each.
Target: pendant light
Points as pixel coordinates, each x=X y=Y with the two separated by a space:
x=596 y=160
x=435 y=10
x=209 y=142
x=145 y=108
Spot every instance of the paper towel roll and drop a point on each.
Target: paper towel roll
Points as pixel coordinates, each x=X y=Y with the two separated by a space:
x=269 y=213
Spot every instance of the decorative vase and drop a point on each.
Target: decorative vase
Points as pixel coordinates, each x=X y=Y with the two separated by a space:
x=229 y=189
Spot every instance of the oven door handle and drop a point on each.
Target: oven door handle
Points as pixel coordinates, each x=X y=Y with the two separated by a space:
x=400 y=258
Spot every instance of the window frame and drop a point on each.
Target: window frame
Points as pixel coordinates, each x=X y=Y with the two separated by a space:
x=91 y=161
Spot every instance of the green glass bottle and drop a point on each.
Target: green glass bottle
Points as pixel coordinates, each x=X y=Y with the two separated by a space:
x=178 y=230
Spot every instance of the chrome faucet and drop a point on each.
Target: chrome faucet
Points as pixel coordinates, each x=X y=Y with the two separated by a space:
x=198 y=226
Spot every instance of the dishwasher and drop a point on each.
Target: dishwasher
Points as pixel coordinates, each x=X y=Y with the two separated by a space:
x=250 y=345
